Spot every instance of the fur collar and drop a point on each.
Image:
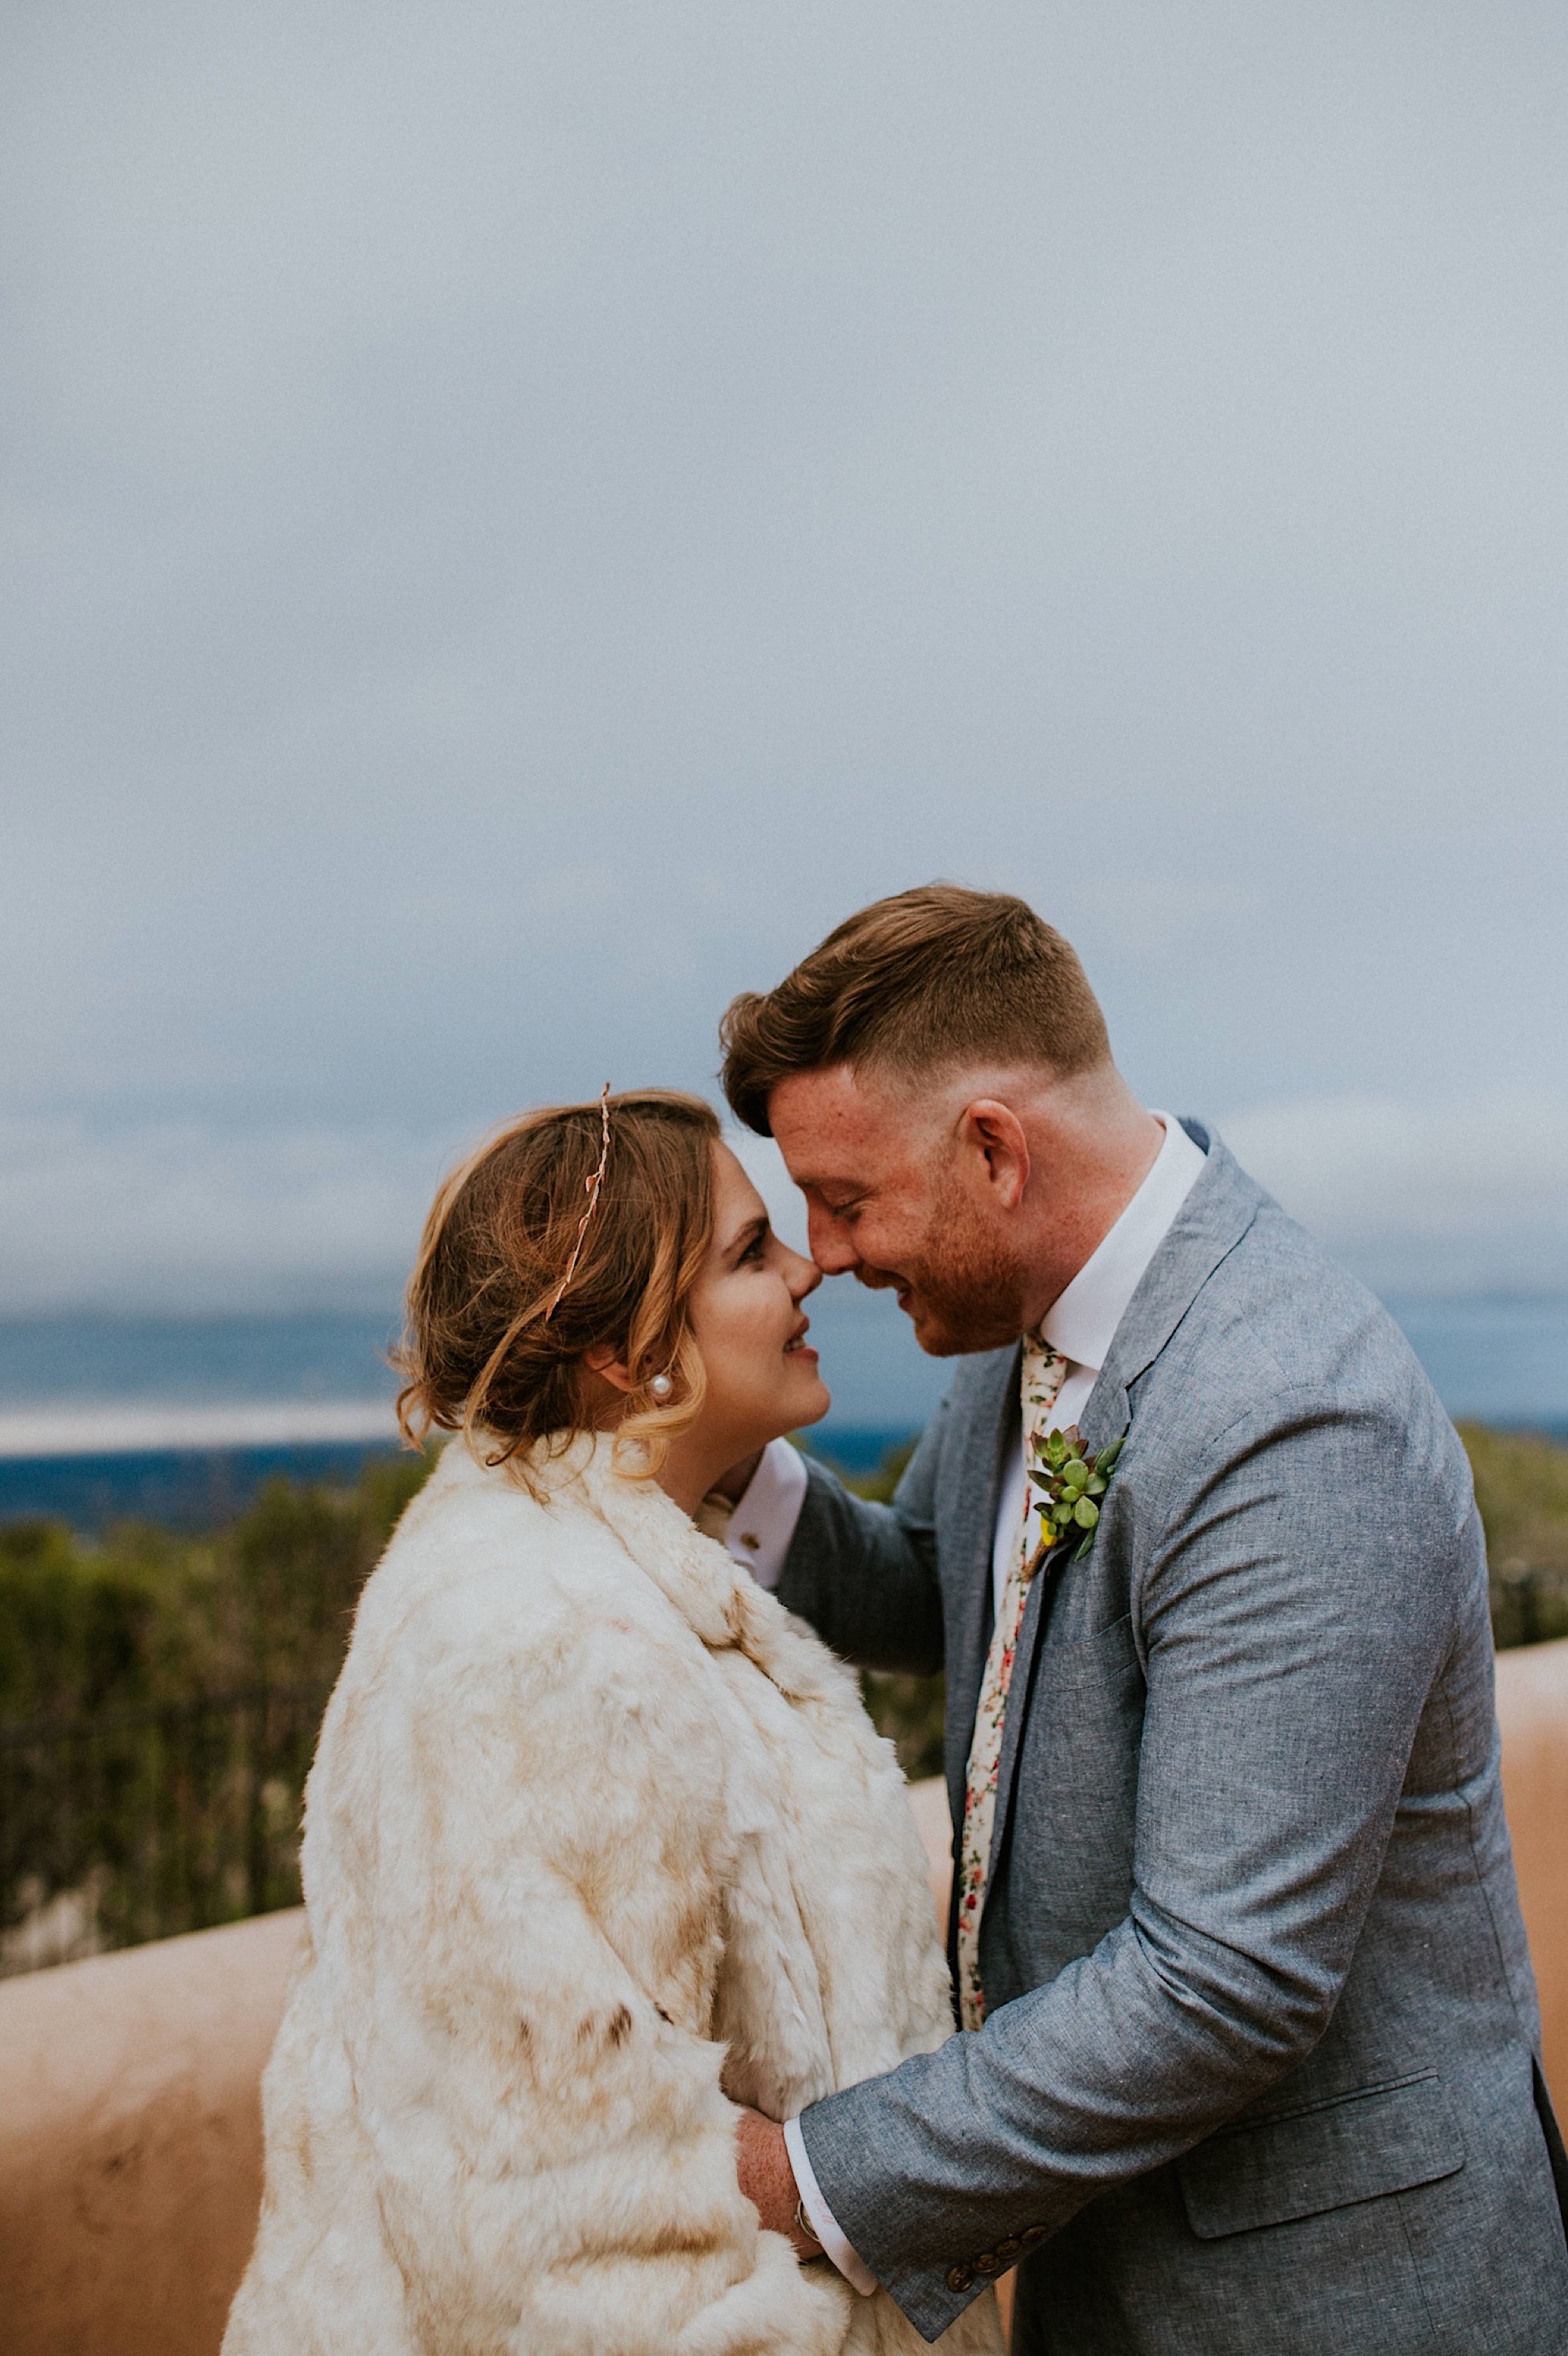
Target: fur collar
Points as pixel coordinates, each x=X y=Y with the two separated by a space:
x=720 y=1602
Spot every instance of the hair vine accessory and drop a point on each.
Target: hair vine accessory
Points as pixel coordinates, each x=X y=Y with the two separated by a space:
x=593 y=1185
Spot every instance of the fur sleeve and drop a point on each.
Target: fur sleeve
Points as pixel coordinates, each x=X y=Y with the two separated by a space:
x=539 y=1853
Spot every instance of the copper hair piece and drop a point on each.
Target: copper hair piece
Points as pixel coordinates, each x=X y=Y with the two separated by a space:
x=593 y=1185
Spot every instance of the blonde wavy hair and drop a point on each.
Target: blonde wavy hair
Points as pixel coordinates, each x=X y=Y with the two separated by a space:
x=495 y=1349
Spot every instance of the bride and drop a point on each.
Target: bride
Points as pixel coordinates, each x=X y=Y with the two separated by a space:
x=599 y=1845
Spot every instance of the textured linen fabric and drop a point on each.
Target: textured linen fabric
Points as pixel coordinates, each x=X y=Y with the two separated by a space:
x=600 y=1843
x=1259 y=2075
x=823 y=2223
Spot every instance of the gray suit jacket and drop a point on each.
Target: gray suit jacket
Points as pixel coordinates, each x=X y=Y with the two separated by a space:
x=1258 y=2076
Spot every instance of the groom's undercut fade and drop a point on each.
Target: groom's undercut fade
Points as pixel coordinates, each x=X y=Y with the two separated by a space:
x=922 y=981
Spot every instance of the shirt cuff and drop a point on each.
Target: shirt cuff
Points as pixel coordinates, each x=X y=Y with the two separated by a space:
x=825 y=2224
x=763 y=1523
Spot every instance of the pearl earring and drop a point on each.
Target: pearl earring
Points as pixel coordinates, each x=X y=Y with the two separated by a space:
x=661 y=1387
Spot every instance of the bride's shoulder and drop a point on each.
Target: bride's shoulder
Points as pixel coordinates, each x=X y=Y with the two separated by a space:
x=481 y=1560
x=495 y=1609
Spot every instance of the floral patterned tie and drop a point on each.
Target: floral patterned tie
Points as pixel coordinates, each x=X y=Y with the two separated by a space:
x=1043 y=1375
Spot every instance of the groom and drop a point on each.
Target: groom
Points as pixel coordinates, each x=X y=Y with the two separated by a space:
x=1253 y=2069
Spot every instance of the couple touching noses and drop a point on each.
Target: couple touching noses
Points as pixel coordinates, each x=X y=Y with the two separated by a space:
x=621 y=2025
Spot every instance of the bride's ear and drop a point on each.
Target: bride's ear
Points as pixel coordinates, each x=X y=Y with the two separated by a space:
x=616 y=1372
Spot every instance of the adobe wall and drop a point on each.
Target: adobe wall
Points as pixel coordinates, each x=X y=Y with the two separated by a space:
x=130 y=2141
x=1533 y=1710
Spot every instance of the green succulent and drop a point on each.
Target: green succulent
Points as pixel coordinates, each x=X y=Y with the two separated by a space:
x=1072 y=1481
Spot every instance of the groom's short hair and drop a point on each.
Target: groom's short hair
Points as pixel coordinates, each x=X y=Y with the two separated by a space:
x=927 y=980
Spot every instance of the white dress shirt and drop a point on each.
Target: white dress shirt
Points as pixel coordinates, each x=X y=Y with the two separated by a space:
x=1081 y=1323
x=758 y=1532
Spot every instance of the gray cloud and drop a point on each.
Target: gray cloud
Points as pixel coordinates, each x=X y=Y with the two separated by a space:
x=1451 y=1196
x=515 y=520
x=138 y=1216
x=1448 y=1196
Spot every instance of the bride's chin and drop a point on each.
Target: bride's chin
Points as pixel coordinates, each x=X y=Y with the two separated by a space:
x=812 y=1408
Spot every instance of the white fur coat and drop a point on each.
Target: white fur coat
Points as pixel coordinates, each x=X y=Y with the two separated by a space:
x=599 y=1842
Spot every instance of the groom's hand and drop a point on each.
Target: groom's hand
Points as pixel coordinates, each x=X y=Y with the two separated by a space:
x=767 y=2180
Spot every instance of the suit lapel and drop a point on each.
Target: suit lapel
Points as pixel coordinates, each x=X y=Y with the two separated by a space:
x=991 y=1422
x=1216 y=1215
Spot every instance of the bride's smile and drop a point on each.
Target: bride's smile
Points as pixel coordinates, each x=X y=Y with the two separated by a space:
x=760 y=1376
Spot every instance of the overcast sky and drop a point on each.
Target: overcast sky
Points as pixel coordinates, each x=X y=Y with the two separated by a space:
x=518 y=517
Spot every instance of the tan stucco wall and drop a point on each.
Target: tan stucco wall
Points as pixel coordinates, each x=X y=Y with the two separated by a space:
x=1532 y=1709
x=130 y=2123
x=130 y=2141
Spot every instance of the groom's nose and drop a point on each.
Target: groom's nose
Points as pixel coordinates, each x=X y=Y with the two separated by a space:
x=832 y=1248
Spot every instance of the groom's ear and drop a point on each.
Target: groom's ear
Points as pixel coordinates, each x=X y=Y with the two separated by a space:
x=993 y=1135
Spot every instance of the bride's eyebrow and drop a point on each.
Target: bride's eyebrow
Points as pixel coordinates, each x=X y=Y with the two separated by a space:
x=748 y=1235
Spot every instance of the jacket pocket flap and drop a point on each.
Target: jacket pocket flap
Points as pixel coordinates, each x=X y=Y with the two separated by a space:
x=1381 y=2139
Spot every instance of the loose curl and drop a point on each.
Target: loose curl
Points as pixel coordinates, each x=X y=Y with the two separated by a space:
x=482 y=1352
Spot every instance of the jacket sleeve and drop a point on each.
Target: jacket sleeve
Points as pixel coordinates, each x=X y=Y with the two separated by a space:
x=544 y=1855
x=1292 y=1620
x=865 y=1576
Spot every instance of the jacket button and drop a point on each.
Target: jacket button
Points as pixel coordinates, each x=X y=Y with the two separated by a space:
x=960 y=2278
x=1032 y=2235
x=988 y=2263
x=1008 y=2250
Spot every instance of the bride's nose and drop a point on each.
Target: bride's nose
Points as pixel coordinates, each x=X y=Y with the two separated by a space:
x=802 y=1276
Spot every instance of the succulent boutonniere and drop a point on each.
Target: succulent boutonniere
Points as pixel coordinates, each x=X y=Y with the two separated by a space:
x=1072 y=1482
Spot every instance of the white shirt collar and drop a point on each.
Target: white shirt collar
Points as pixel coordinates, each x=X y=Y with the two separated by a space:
x=1082 y=1321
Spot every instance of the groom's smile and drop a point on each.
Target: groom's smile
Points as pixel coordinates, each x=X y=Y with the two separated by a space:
x=890 y=1201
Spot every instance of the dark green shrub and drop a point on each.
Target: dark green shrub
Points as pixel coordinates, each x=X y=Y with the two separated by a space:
x=1521 y=1488
x=159 y=1700
x=76 y=1629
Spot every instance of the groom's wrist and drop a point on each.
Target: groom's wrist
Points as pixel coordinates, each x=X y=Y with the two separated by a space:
x=825 y=2226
